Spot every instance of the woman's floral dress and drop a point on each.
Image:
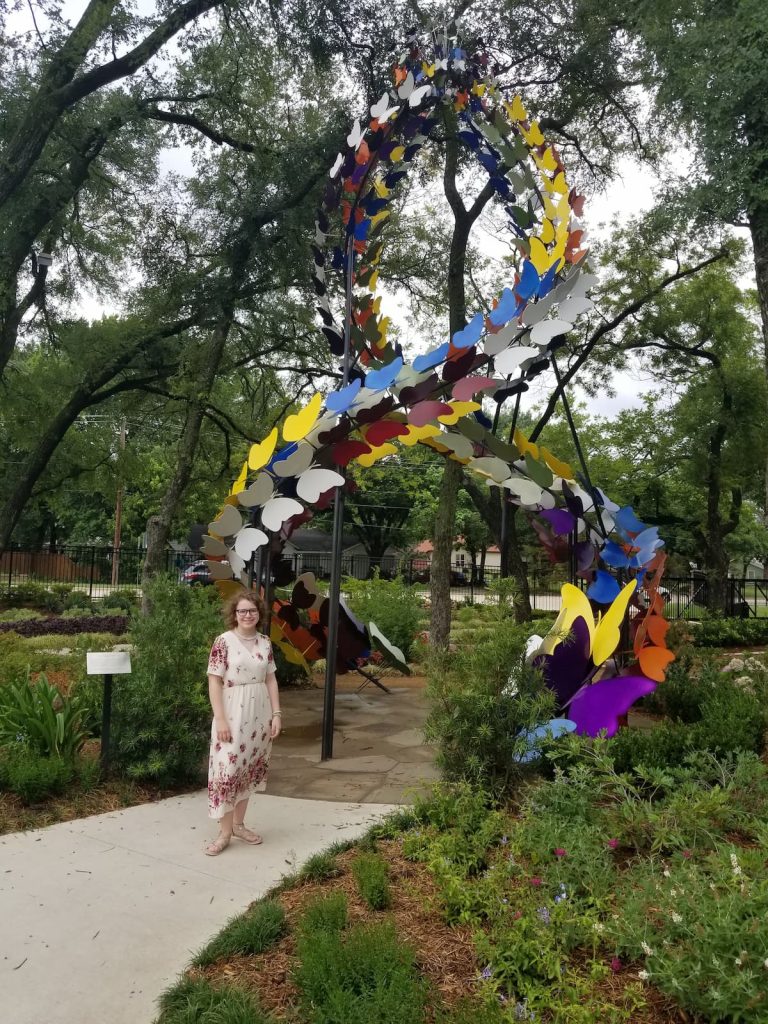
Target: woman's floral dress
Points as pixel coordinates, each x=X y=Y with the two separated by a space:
x=238 y=769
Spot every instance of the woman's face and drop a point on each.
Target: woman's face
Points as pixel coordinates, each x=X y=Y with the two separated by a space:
x=247 y=614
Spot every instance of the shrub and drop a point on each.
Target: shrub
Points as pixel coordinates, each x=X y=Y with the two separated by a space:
x=394 y=606
x=77 y=599
x=482 y=699
x=366 y=974
x=712 y=714
x=162 y=713
x=325 y=914
x=35 y=594
x=246 y=935
x=37 y=715
x=730 y=632
x=14 y=659
x=127 y=600
x=31 y=775
x=318 y=867
x=371 y=875
x=196 y=1001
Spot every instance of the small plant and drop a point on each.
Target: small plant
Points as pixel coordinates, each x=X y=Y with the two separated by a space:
x=325 y=914
x=371 y=875
x=318 y=867
x=32 y=776
x=365 y=974
x=197 y=1001
x=39 y=717
x=78 y=599
x=252 y=932
x=484 y=698
x=14 y=659
x=394 y=606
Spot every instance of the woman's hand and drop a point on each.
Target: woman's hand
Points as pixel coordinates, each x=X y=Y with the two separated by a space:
x=277 y=724
x=223 y=734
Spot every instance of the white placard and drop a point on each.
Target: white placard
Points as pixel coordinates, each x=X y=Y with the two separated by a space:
x=107 y=662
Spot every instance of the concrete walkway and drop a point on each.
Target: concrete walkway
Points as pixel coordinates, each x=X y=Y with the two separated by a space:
x=99 y=916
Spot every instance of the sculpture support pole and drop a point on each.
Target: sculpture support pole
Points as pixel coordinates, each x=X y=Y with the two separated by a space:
x=334 y=588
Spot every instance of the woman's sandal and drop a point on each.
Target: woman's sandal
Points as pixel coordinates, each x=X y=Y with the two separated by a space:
x=241 y=832
x=217 y=845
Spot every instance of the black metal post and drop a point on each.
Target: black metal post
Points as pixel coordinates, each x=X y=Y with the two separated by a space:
x=106 y=721
x=334 y=587
x=93 y=569
x=10 y=570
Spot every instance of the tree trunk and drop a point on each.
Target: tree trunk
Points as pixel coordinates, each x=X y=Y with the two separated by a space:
x=159 y=533
x=440 y=576
x=445 y=524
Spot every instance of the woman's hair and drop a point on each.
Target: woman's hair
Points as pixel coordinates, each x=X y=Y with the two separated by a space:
x=253 y=598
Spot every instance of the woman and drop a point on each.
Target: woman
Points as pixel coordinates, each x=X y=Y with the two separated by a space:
x=246 y=717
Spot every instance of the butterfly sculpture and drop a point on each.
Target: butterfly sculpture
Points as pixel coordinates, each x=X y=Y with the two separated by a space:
x=437 y=399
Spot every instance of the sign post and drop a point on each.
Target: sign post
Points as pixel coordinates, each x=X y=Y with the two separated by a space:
x=107 y=663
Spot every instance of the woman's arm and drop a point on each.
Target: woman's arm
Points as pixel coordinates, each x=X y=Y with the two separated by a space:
x=215 y=688
x=274 y=700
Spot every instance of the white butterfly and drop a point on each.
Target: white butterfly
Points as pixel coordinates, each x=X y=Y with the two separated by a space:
x=419 y=94
x=508 y=362
x=381 y=110
x=277 y=510
x=315 y=482
x=545 y=331
x=247 y=541
x=336 y=165
x=405 y=90
x=355 y=137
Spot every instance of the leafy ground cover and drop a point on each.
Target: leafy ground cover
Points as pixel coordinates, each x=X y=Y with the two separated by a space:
x=595 y=897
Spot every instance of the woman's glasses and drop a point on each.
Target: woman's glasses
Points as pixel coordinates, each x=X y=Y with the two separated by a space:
x=247 y=611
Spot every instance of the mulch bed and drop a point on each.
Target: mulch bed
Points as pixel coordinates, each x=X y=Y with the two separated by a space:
x=444 y=954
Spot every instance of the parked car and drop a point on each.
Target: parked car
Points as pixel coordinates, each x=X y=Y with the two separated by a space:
x=196 y=575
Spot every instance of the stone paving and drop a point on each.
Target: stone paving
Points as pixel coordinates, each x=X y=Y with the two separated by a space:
x=379 y=751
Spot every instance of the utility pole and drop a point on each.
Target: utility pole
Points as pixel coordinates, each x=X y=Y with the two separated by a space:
x=118 y=514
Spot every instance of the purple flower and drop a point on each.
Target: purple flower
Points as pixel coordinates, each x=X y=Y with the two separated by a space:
x=504 y=840
x=544 y=916
x=613 y=843
x=562 y=894
x=535 y=882
x=560 y=852
x=616 y=964
x=486 y=973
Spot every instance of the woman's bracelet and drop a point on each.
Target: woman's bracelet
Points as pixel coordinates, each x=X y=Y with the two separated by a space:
x=277 y=714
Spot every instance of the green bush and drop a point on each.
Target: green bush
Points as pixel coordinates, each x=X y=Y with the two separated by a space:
x=35 y=594
x=246 y=935
x=162 y=712
x=710 y=713
x=31 y=775
x=37 y=715
x=365 y=974
x=324 y=915
x=127 y=600
x=483 y=697
x=77 y=599
x=197 y=1001
x=395 y=607
x=730 y=632
x=14 y=659
x=372 y=878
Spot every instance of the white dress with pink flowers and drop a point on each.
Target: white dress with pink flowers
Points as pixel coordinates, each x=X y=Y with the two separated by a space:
x=238 y=769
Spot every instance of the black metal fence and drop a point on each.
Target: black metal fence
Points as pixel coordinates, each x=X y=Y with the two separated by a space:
x=99 y=571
